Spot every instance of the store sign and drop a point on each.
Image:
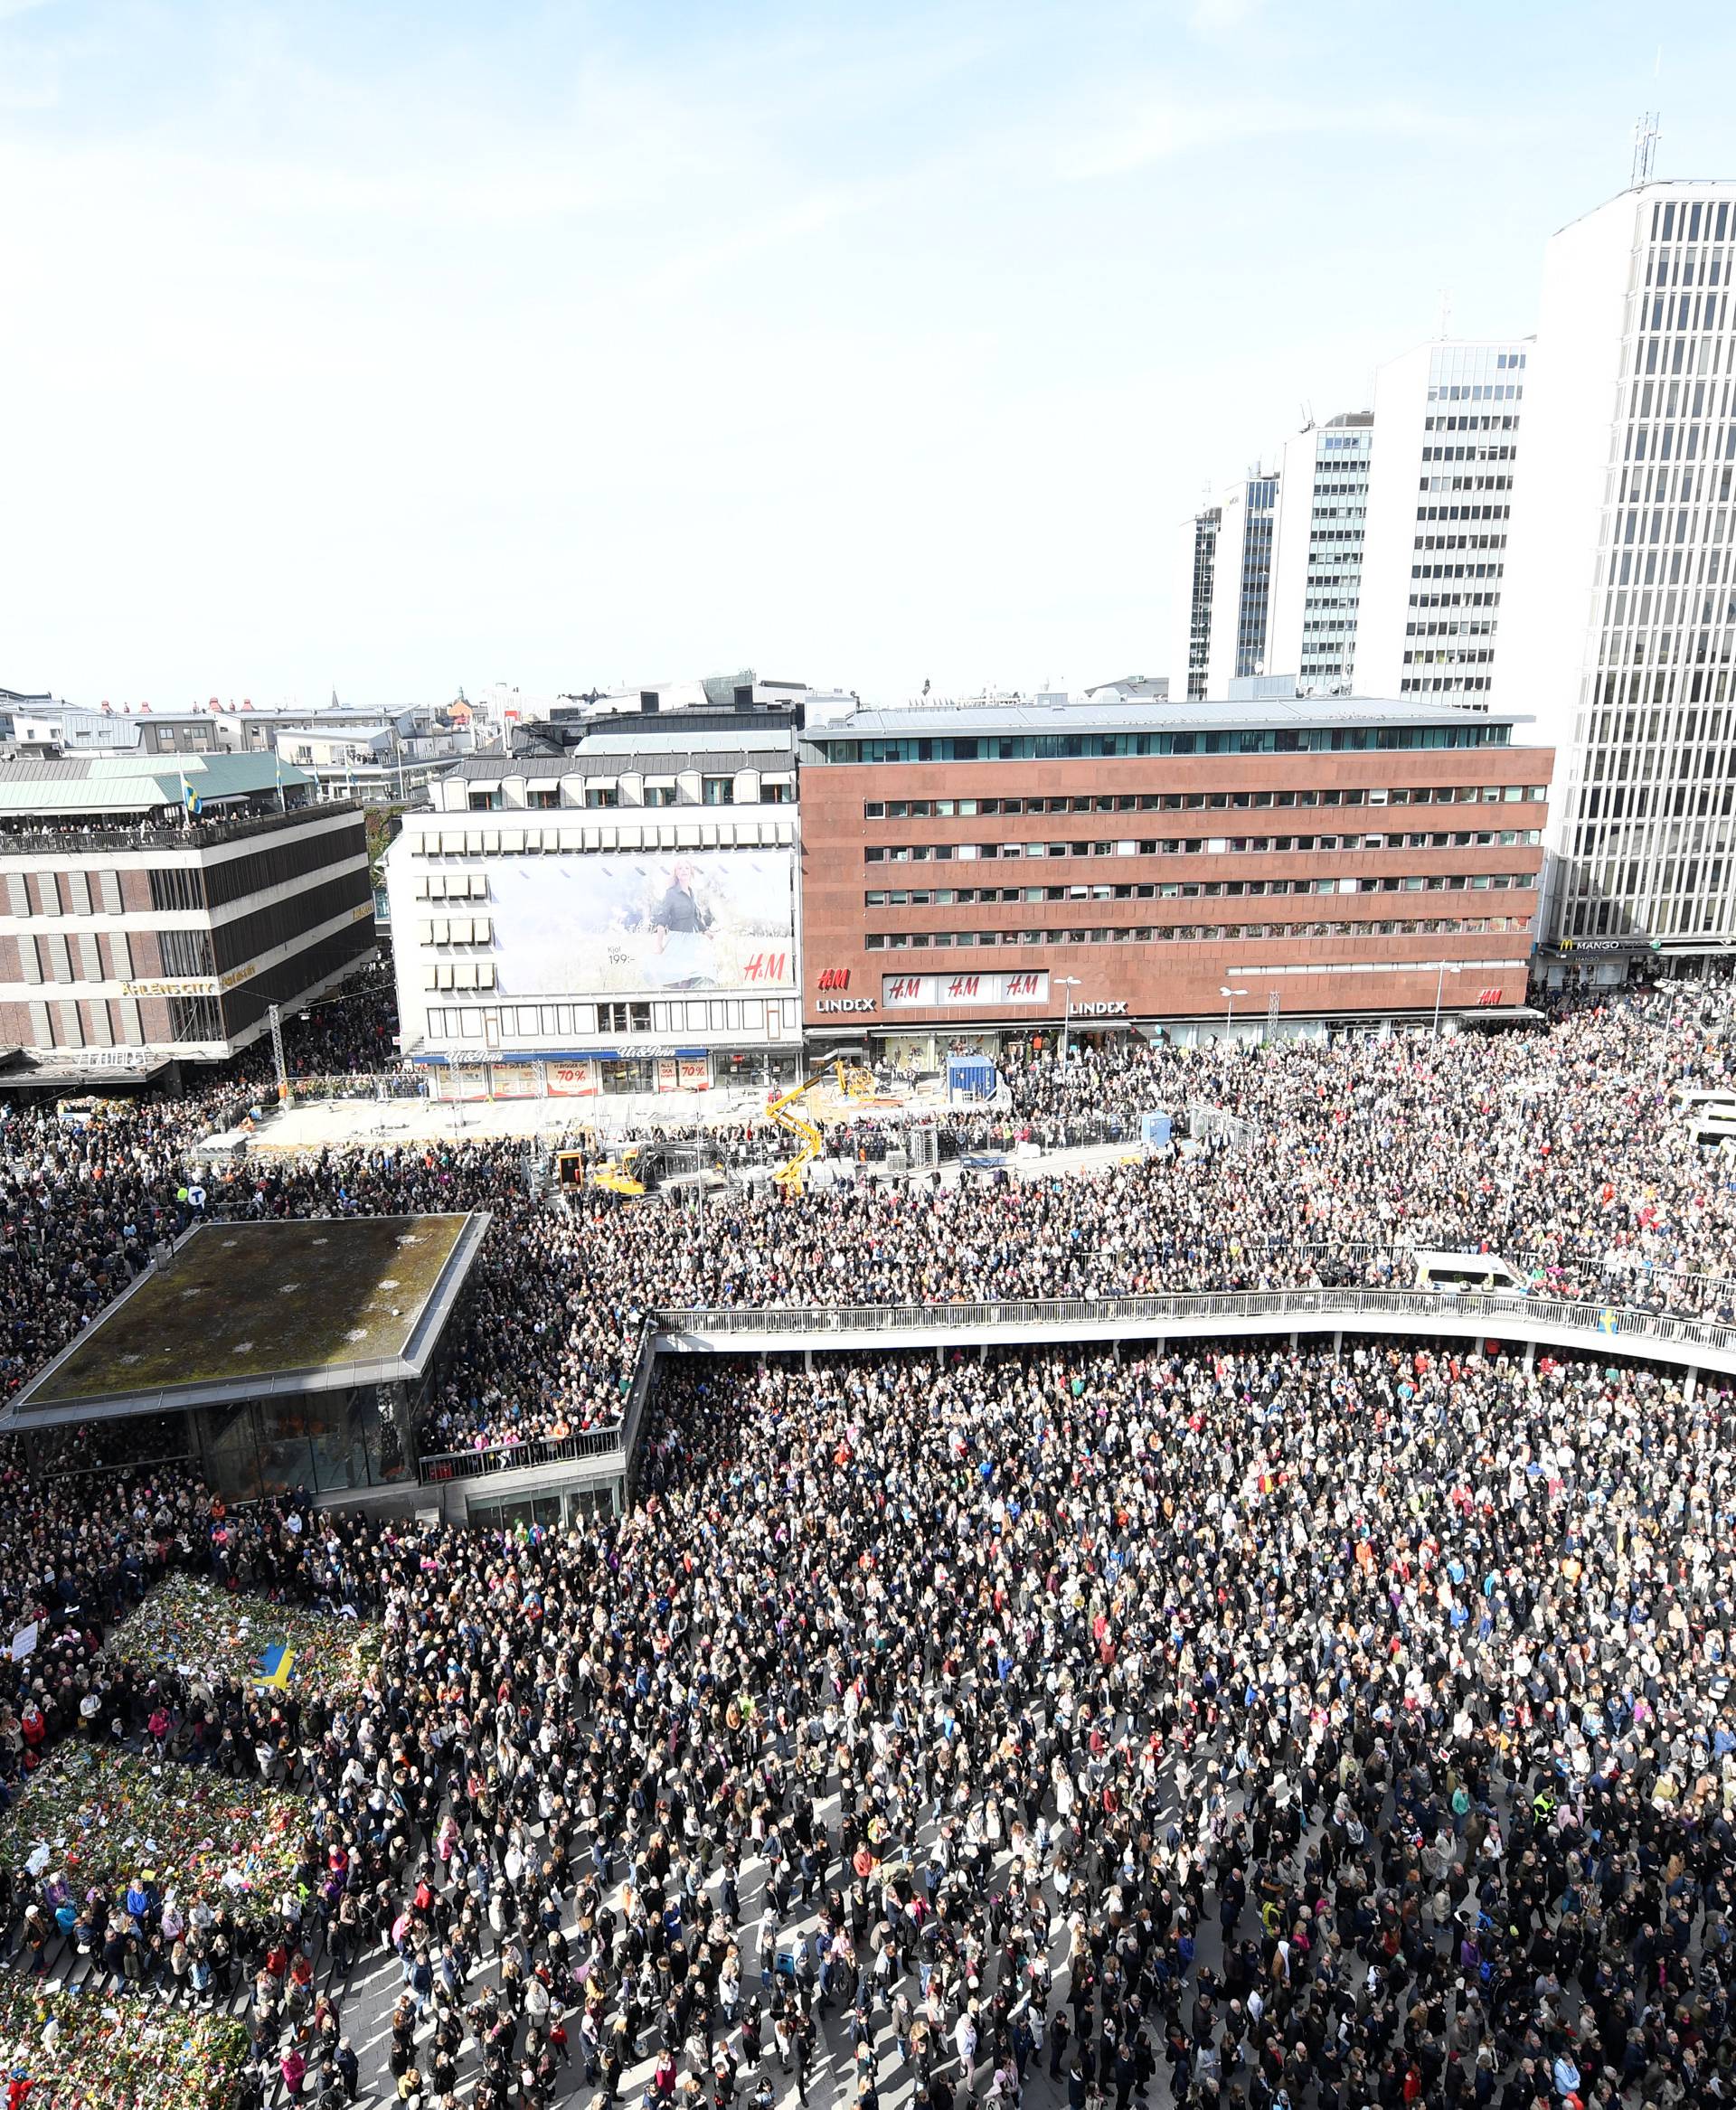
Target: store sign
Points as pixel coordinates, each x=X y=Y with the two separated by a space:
x=1099 y=1011
x=572 y=1081
x=837 y=1003
x=834 y=977
x=938 y=992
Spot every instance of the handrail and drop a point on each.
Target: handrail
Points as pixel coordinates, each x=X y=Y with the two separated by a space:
x=1639 y=1331
x=469 y=1464
x=157 y=836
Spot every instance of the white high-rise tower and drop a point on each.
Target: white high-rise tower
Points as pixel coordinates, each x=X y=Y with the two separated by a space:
x=1440 y=504
x=1620 y=600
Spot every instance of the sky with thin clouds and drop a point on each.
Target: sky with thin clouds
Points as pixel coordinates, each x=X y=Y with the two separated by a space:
x=395 y=348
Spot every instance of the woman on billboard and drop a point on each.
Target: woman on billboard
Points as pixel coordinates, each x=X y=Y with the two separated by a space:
x=679 y=923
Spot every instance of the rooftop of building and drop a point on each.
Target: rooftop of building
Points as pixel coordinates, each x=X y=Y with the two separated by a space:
x=133 y=783
x=1230 y=714
x=668 y=754
x=242 y=1311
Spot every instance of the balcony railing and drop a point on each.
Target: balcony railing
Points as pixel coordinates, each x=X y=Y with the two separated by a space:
x=156 y=835
x=564 y=1450
x=1500 y=1315
x=1509 y=1315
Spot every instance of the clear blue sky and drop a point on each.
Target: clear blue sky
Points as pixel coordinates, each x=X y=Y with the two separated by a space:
x=397 y=347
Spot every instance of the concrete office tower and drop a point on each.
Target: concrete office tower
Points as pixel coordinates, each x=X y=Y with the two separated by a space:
x=1621 y=613
x=1196 y=573
x=1440 y=510
x=1242 y=581
x=1317 y=554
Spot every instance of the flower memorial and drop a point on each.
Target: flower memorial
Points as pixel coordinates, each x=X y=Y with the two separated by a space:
x=102 y=2053
x=200 y=1629
x=103 y=1820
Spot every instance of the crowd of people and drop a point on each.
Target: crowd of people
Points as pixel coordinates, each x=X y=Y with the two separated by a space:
x=1239 y=1727
x=1235 y=1726
x=1565 y=1152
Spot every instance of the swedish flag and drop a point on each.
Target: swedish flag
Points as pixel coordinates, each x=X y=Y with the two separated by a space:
x=275 y=1664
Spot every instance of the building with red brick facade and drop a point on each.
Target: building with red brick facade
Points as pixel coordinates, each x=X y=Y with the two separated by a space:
x=971 y=878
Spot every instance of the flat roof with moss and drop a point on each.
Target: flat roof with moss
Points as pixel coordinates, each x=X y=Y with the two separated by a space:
x=243 y=1309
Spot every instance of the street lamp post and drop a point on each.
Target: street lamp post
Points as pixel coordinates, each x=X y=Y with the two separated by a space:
x=1069 y=983
x=1229 y=997
x=1446 y=968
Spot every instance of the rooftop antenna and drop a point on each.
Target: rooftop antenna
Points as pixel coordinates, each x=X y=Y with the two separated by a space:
x=1647 y=135
x=1446 y=312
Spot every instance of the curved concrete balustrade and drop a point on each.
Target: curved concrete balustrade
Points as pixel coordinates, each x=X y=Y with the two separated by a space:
x=1526 y=1321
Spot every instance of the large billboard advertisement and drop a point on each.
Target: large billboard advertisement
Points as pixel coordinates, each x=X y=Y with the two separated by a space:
x=704 y=920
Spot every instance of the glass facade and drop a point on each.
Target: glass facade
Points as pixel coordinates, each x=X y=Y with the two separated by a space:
x=1337 y=516
x=1648 y=835
x=1198 y=608
x=1256 y=575
x=1306 y=739
x=1459 y=551
x=322 y=1441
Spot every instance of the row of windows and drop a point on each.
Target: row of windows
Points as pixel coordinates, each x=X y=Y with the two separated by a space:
x=456 y=930
x=1426 y=542
x=1677 y=356
x=452 y=886
x=1187 y=889
x=1657 y=443
x=177 y=887
x=1439 y=513
x=1486 y=422
x=712 y=791
x=1436 y=685
x=567 y=842
x=460 y=975
x=900 y=941
x=1679 y=220
x=65 y=893
x=1186 y=845
x=1674 y=485
x=1057 y=747
x=1175 y=802
x=549 y=1022
x=91 y=1022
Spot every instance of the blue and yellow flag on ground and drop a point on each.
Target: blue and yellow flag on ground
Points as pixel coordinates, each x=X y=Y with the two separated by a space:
x=275 y=1664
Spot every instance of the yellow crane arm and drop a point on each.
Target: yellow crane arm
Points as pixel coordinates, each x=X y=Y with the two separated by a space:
x=810 y=1141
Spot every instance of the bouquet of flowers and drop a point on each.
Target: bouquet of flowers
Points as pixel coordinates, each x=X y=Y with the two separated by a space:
x=100 y=2052
x=200 y=1629
x=106 y=1819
